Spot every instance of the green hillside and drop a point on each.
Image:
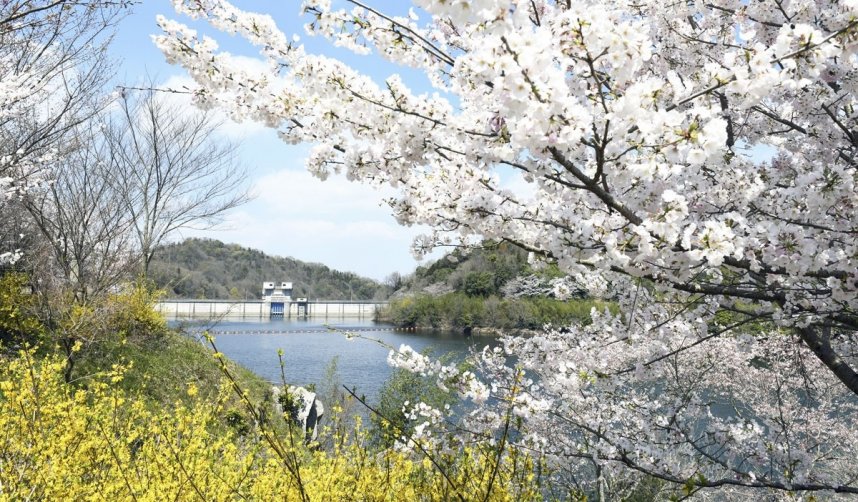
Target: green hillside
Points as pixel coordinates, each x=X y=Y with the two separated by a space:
x=207 y=268
x=489 y=287
x=475 y=272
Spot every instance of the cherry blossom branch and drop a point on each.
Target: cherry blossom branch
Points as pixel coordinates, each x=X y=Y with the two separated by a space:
x=731 y=327
x=721 y=83
x=429 y=46
x=623 y=458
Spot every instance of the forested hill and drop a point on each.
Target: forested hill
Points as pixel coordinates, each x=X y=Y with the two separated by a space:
x=207 y=268
x=492 y=287
x=495 y=269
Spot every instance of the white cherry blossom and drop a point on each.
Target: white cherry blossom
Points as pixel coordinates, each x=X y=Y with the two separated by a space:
x=734 y=363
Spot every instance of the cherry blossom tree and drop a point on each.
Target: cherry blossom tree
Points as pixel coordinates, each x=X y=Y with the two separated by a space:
x=78 y=217
x=695 y=159
x=53 y=65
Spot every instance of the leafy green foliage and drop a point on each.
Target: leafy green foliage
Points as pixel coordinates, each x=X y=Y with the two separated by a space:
x=458 y=310
x=479 y=284
x=476 y=272
x=124 y=329
x=117 y=329
x=207 y=268
x=404 y=388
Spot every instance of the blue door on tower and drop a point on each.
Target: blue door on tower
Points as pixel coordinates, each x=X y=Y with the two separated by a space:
x=277 y=309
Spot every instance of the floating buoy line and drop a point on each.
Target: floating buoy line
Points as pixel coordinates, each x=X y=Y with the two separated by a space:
x=333 y=330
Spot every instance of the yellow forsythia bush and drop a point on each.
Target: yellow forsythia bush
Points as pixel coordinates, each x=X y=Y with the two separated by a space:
x=59 y=442
x=17 y=321
x=131 y=310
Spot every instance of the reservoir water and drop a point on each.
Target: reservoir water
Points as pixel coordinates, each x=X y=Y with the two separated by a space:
x=308 y=348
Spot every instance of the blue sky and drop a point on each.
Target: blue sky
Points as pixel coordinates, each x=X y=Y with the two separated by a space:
x=338 y=223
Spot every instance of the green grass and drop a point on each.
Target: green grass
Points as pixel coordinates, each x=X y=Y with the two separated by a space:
x=163 y=367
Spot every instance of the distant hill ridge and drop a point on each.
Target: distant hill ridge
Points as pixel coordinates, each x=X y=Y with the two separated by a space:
x=208 y=268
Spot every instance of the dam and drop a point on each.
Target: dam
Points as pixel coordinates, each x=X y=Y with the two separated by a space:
x=276 y=302
x=261 y=309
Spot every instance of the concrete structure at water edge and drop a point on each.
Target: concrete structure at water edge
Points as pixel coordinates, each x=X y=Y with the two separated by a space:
x=276 y=302
x=299 y=307
x=279 y=298
x=271 y=291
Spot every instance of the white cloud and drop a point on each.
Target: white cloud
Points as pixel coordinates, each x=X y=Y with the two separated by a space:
x=342 y=224
x=307 y=194
x=236 y=131
x=336 y=222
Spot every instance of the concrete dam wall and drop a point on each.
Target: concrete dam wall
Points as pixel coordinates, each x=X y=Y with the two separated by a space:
x=209 y=309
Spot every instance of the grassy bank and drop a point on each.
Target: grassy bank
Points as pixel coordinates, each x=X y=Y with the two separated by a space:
x=118 y=330
x=161 y=370
x=458 y=310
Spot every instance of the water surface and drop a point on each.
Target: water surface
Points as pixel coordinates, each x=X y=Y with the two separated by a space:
x=308 y=348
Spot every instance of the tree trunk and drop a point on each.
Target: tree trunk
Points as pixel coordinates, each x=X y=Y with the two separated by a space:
x=819 y=341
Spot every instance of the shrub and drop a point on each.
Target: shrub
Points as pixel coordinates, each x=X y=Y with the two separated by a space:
x=18 y=321
x=98 y=442
x=401 y=389
x=131 y=312
x=479 y=284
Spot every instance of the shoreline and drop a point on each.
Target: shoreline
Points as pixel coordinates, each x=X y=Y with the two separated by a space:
x=475 y=331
